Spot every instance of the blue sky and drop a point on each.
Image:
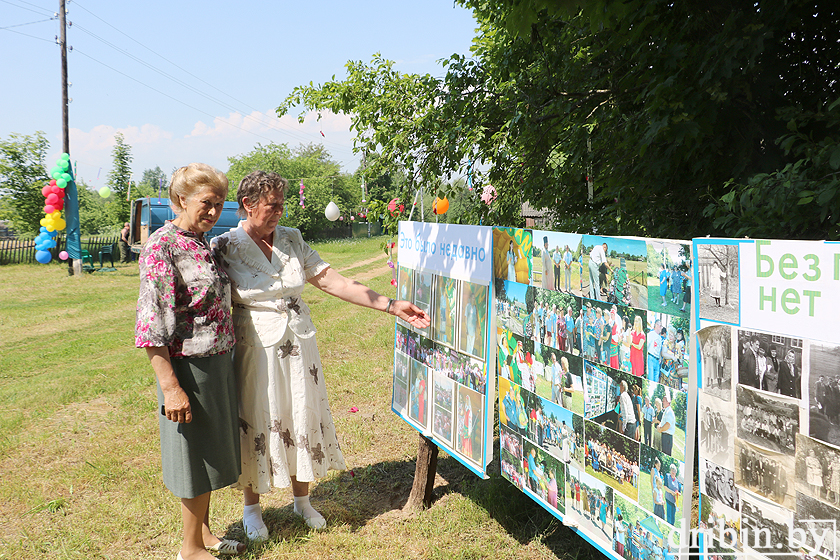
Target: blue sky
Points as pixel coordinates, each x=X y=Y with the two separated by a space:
x=187 y=81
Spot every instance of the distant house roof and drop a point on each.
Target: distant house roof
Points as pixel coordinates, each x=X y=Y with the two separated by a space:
x=529 y=211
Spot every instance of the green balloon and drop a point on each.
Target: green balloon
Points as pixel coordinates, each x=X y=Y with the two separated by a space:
x=63 y=164
x=61 y=183
x=65 y=156
x=66 y=177
x=104 y=192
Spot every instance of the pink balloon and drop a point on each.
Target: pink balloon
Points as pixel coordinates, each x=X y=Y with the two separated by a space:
x=58 y=191
x=49 y=209
x=63 y=255
x=46 y=191
x=52 y=199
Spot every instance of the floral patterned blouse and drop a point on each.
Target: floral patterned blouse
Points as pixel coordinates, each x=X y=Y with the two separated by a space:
x=184 y=300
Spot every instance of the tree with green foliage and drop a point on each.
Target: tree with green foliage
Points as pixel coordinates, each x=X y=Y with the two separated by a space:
x=22 y=176
x=118 y=179
x=322 y=177
x=152 y=182
x=648 y=118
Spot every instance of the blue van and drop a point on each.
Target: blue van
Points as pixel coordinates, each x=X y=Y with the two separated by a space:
x=149 y=214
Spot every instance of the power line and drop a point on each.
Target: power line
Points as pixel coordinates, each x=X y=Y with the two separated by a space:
x=40 y=11
x=28 y=35
x=22 y=24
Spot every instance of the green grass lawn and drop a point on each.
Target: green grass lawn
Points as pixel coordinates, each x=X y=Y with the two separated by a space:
x=625 y=487
x=80 y=456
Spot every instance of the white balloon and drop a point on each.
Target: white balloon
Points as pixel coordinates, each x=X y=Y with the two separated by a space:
x=332 y=211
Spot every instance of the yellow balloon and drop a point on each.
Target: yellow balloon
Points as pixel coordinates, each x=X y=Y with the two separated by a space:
x=45 y=221
x=60 y=224
x=56 y=214
x=50 y=227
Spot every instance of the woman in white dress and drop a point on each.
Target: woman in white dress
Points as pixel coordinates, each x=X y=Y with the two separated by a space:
x=511 y=263
x=287 y=434
x=714 y=280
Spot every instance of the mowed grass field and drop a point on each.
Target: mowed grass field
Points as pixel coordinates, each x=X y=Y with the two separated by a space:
x=80 y=458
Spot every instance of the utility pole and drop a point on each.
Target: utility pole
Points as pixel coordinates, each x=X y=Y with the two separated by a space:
x=71 y=194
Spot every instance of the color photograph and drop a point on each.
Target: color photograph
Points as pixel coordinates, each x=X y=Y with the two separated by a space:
x=469 y=429
x=446 y=310
x=589 y=503
x=512 y=311
x=661 y=479
x=472 y=333
x=512 y=254
x=723 y=522
x=510 y=451
x=512 y=411
x=615 y=270
x=667 y=350
x=667 y=267
x=552 y=318
x=561 y=434
x=418 y=395
x=555 y=260
x=638 y=535
x=562 y=379
x=612 y=458
x=546 y=477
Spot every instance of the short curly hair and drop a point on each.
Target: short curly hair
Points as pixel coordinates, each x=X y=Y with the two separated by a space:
x=256 y=185
x=188 y=180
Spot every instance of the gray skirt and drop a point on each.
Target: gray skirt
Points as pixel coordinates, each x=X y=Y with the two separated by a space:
x=203 y=455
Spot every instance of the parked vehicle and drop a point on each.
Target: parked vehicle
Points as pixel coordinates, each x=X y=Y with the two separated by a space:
x=149 y=214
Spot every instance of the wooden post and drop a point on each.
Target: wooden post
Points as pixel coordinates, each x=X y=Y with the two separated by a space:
x=424 y=475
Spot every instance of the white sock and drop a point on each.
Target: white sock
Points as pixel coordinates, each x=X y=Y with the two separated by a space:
x=303 y=508
x=252 y=520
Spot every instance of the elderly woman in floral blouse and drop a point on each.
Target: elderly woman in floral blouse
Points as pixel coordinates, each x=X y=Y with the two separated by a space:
x=287 y=431
x=184 y=322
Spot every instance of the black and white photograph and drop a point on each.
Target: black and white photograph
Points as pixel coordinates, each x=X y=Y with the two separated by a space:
x=717 y=430
x=818 y=522
x=716 y=351
x=719 y=483
x=817 y=470
x=769 y=422
x=722 y=522
x=824 y=392
x=717 y=270
x=765 y=473
x=770 y=363
x=757 y=514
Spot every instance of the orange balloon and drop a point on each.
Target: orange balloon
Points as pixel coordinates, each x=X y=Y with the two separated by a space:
x=441 y=205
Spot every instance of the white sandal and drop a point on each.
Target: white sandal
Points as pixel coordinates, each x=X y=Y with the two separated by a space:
x=225 y=547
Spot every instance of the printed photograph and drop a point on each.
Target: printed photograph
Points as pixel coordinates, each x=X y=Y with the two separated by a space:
x=464 y=369
x=719 y=289
x=661 y=479
x=510 y=451
x=551 y=319
x=824 y=392
x=770 y=363
x=612 y=458
x=717 y=430
x=446 y=310
x=442 y=424
x=423 y=283
x=399 y=401
x=405 y=284
x=512 y=254
x=512 y=411
x=606 y=335
x=615 y=270
x=819 y=524
x=560 y=433
x=719 y=483
x=667 y=350
x=512 y=311
x=556 y=260
x=723 y=522
x=756 y=514
x=817 y=470
x=765 y=473
x=640 y=535
x=767 y=421
x=418 y=395
x=469 y=429
x=562 y=378
x=546 y=477
x=471 y=335
x=716 y=353
x=668 y=265
x=515 y=357
x=589 y=502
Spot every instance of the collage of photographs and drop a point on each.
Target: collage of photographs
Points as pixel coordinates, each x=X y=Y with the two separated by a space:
x=592 y=338
x=440 y=373
x=769 y=429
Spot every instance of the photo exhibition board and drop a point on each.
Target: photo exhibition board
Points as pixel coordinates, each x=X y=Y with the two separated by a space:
x=441 y=385
x=596 y=383
x=769 y=397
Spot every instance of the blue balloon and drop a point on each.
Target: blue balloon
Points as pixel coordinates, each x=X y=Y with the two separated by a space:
x=43 y=229
x=43 y=257
x=52 y=233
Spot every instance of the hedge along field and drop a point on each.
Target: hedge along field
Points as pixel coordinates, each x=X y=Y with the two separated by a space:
x=80 y=457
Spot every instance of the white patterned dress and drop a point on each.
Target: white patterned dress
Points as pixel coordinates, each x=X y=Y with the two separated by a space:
x=286 y=427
